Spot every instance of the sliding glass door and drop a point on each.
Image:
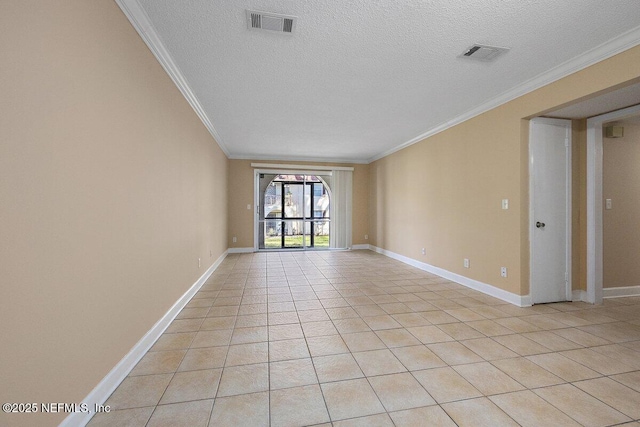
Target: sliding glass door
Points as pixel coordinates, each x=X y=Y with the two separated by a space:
x=293 y=212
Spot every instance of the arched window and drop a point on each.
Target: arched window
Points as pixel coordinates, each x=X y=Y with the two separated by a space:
x=295 y=212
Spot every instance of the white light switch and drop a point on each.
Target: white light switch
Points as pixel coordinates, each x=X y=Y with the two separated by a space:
x=249 y=207
x=607 y=204
x=505 y=203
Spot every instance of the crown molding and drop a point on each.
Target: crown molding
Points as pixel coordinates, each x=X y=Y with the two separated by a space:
x=140 y=21
x=599 y=53
x=311 y=167
x=300 y=159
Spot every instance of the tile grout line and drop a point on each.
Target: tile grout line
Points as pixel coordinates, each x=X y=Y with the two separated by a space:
x=224 y=363
x=315 y=371
x=337 y=283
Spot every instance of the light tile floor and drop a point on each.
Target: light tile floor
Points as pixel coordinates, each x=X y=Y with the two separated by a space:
x=356 y=338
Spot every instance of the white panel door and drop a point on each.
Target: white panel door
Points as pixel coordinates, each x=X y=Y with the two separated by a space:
x=550 y=214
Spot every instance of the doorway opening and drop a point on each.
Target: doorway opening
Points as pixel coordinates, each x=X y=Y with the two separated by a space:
x=293 y=212
x=595 y=292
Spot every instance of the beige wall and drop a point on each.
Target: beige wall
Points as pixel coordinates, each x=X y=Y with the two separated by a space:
x=444 y=192
x=241 y=194
x=241 y=189
x=621 y=224
x=110 y=190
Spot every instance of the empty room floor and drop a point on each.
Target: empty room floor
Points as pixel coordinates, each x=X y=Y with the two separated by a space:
x=356 y=338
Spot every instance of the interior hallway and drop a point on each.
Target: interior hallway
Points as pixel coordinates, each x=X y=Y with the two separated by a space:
x=356 y=338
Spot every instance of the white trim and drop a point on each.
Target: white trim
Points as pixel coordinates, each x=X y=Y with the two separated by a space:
x=298 y=159
x=300 y=249
x=360 y=247
x=579 y=295
x=622 y=291
x=594 y=212
x=140 y=21
x=308 y=167
x=569 y=217
x=112 y=380
x=294 y=172
x=568 y=195
x=599 y=53
x=520 y=301
x=256 y=209
x=240 y=250
x=594 y=200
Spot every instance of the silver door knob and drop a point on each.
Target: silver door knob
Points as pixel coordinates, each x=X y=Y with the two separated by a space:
x=540 y=224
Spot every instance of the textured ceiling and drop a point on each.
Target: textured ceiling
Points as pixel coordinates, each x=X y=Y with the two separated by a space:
x=361 y=78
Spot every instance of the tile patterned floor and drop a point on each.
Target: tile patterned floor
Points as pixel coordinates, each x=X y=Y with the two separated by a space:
x=355 y=338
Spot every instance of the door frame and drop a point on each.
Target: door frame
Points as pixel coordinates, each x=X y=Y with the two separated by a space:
x=256 y=201
x=595 y=291
x=568 y=195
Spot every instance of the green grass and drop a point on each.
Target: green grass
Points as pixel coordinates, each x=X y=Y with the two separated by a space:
x=295 y=241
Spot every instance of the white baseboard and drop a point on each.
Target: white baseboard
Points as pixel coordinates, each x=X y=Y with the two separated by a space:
x=360 y=247
x=579 y=295
x=112 y=380
x=520 y=301
x=622 y=291
x=240 y=250
x=250 y=250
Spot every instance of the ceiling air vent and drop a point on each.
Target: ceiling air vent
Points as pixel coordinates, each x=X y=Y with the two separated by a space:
x=484 y=53
x=270 y=21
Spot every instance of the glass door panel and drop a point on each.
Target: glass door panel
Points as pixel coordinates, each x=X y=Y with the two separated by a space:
x=272 y=234
x=293 y=233
x=293 y=208
x=320 y=232
x=293 y=200
x=273 y=200
x=308 y=196
x=269 y=208
x=320 y=201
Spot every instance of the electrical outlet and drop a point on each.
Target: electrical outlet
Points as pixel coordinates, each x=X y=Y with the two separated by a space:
x=505 y=204
x=235 y=239
x=248 y=207
x=424 y=252
x=503 y=271
x=466 y=263
x=366 y=237
x=198 y=262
